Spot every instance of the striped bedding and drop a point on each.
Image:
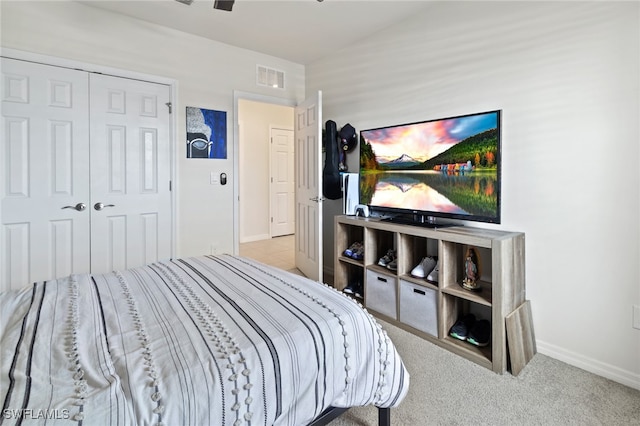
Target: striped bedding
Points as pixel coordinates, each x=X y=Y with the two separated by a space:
x=212 y=340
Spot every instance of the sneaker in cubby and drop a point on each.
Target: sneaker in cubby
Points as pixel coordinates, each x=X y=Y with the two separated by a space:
x=463 y=325
x=353 y=248
x=480 y=333
x=424 y=268
x=354 y=289
x=434 y=274
x=387 y=258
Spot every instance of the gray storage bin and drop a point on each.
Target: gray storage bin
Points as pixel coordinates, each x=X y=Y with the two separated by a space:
x=418 y=307
x=380 y=293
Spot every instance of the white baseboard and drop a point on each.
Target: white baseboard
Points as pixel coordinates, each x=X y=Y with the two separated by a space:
x=608 y=371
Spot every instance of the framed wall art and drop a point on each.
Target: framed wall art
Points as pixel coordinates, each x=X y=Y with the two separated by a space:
x=206 y=133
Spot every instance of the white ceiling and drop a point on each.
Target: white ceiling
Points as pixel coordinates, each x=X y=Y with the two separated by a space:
x=301 y=31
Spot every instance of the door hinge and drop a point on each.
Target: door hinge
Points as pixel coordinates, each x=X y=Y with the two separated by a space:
x=170 y=186
x=168 y=104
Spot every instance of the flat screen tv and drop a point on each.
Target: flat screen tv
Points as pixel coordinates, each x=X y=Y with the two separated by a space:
x=446 y=168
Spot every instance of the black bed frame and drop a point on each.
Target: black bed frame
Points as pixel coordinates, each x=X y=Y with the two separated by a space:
x=331 y=413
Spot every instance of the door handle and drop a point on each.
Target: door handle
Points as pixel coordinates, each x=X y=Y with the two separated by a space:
x=100 y=206
x=80 y=207
x=316 y=199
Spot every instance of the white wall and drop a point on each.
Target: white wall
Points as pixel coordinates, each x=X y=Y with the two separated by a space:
x=206 y=72
x=566 y=76
x=256 y=119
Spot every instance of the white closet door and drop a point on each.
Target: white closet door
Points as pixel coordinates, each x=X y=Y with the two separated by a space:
x=44 y=169
x=130 y=173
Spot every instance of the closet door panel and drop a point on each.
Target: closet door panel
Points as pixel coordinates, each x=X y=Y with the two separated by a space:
x=44 y=165
x=130 y=172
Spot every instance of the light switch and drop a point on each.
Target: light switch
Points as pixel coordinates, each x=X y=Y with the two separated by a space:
x=213 y=178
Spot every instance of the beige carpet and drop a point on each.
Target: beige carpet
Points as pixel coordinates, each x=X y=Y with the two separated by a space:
x=449 y=390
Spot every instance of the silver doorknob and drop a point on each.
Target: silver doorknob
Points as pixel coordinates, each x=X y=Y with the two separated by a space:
x=100 y=206
x=79 y=207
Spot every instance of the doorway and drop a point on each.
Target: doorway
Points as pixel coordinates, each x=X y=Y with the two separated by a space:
x=260 y=167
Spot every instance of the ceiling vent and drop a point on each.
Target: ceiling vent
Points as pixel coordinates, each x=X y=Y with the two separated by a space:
x=223 y=5
x=270 y=77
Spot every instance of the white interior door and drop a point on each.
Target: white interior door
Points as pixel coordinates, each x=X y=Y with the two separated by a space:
x=282 y=182
x=44 y=163
x=130 y=173
x=308 y=181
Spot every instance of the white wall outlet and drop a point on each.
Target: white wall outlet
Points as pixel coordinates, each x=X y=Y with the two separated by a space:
x=636 y=316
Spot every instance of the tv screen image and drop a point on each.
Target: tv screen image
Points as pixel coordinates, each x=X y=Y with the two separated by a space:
x=448 y=168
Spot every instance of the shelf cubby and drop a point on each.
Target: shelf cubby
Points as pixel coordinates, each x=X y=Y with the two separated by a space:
x=411 y=250
x=377 y=243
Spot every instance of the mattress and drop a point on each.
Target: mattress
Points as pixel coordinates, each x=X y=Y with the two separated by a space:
x=211 y=340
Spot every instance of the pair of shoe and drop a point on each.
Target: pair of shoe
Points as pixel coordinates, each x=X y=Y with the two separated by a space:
x=355 y=251
x=477 y=333
x=389 y=260
x=354 y=289
x=429 y=268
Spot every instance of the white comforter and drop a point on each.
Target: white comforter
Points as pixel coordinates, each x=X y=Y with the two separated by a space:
x=200 y=341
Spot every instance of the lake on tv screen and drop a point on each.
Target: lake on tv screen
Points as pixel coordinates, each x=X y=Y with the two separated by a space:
x=471 y=193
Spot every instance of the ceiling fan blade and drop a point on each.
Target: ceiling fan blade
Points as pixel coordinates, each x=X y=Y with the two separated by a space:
x=223 y=5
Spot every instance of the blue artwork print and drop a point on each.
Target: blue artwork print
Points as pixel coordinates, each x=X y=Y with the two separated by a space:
x=206 y=133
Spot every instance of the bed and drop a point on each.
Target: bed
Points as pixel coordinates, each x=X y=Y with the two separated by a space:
x=210 y=340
